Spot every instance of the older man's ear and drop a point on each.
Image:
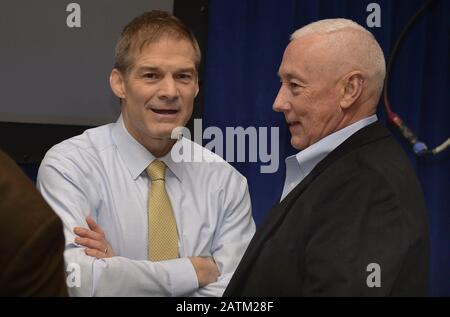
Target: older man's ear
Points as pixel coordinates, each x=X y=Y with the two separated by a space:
x=352 y=89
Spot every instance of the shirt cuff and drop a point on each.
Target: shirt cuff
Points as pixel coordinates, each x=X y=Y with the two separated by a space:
x=182 y=277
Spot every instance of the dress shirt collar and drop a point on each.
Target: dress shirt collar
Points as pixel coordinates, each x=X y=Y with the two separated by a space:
x=136 y=156
x=300 y=165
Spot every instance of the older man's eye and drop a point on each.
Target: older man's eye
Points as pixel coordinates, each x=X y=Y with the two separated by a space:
x=293 y=85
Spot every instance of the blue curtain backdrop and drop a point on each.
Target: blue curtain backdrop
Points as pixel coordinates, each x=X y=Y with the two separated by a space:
x=246 y=41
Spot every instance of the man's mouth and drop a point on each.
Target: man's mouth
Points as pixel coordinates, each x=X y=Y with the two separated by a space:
x=165 y=111
x=293 y=123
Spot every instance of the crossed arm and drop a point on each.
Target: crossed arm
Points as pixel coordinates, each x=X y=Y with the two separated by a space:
x=71 y=191
x=94 y=239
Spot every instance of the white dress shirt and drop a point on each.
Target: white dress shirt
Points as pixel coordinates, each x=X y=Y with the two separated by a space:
x=102 y=173
x=300 y=165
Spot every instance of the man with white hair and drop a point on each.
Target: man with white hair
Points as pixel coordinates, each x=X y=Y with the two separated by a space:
x=352 y=218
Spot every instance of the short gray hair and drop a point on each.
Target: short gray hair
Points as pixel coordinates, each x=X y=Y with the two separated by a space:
x=365 y=50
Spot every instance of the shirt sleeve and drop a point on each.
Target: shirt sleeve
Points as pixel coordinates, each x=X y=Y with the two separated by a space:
x=233 y=233
x=67 y=185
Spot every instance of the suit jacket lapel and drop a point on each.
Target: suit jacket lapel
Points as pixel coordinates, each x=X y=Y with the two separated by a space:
x=368 y=134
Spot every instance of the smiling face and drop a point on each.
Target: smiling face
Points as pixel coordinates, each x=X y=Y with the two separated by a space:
x=158 y=91
x=309 y=95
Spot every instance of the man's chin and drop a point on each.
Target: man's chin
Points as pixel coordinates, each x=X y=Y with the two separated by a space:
x=166 y=132
x=298 y=144
x=162 y=136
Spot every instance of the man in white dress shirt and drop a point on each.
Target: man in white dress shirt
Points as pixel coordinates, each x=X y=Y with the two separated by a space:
x=99 y=182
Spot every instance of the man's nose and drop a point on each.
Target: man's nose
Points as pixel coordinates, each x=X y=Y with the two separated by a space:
x=168 y=88
x=281 y=102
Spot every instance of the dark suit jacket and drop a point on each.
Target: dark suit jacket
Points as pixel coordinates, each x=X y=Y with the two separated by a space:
x=31 y=238
x=362 y=204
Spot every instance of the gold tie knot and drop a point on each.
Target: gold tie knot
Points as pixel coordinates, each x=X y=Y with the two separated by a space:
x=156 y=170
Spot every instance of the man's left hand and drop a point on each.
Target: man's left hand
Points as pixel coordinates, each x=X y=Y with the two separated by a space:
x=94 y=240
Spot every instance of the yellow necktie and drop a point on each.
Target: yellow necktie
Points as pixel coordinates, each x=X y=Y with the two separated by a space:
x=162 y=227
